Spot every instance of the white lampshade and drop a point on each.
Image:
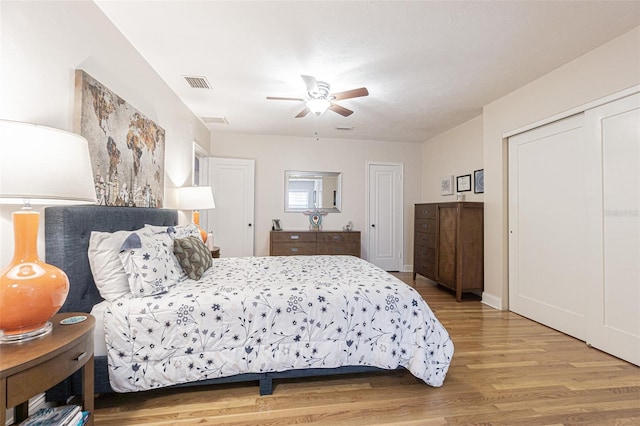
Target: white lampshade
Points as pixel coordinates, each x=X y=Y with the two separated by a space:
x=318 y=106
x=38 y=165
x=42 y=165
x=195 y=198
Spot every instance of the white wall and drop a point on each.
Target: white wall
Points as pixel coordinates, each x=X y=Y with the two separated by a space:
x=275 y=154
x=456 y=152
x=42 y=43
x=610 y=68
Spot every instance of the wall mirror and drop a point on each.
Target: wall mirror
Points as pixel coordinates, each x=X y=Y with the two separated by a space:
x=308 y=190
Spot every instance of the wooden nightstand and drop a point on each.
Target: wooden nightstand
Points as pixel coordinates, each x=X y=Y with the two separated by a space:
x=32 y=367
x=215 y=253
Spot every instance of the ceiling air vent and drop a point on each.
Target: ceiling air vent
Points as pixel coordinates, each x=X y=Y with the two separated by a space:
x=215 y=120
x=197 y=82
x=344 y=127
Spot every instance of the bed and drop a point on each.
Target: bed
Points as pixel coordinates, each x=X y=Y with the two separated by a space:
x=246 y=319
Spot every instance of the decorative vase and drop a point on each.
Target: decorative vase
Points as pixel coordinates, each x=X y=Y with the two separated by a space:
x=195 y=218
x=31 y=291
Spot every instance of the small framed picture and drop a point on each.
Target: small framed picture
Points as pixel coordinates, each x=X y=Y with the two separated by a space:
x=463 y=183
x=478 y=181
x=446 y=185
x=276 y=225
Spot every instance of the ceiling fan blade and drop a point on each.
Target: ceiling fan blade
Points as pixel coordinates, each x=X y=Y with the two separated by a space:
x=304 y=112
x=311 y=83
x=276 y=98
x=355 y=93
x=340 y=110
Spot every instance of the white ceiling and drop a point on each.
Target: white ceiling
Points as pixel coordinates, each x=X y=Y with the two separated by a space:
x=428 y=65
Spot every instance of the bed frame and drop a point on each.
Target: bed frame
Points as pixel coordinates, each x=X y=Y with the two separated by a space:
x=67 y=233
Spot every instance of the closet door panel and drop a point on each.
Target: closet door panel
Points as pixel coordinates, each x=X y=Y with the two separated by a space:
x=549 y=245
x=614 y=303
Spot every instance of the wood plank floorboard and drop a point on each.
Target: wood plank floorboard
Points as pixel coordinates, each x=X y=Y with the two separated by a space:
x=506 y=370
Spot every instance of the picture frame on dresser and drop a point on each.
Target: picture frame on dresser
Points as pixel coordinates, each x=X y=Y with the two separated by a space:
x=446 y=185
x=463 y=183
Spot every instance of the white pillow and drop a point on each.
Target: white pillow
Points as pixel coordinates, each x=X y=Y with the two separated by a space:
x=149 y=262
x=106 y=266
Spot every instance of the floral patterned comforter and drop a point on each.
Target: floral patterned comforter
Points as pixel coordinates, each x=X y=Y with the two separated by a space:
x=262 y=314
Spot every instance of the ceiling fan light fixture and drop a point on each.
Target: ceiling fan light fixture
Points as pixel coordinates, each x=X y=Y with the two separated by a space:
x=321 y=99
x=318 y=106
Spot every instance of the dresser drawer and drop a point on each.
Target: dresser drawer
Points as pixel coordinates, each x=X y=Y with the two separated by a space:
x=290 y=243
x=293 y=248
x=425 y=240
x=339 y=237
x=352 y=249
x=288 y=236
x=425 y=211
x=426 y=269
x=426 y=225
x=23 y=385
x=425 y=254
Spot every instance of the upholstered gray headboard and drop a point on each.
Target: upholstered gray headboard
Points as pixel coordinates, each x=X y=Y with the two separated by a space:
x=67 y=233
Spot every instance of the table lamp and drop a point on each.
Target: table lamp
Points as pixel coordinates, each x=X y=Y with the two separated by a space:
x=40 y=166
x=196 y=198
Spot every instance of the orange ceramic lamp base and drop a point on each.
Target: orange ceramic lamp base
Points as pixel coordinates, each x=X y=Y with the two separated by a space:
x=195 y=217
x=31 y=291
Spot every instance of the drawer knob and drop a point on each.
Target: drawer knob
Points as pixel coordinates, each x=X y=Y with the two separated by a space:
x=80 y=357
x=293 y=250
x=295 y=237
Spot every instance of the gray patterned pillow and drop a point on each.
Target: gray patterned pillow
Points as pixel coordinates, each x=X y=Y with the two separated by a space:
x=193 y=255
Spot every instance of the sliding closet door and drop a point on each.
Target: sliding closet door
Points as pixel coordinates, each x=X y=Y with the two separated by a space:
x=613 y=131
x=550 y=249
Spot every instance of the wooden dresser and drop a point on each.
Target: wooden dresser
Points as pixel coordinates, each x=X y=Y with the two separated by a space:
x=449 y=245
x=291 y=243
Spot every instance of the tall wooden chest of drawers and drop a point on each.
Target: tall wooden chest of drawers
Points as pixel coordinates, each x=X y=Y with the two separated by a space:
x=292 y=243
x=449 y=245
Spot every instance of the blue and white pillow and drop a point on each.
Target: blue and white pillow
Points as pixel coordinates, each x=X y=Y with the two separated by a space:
x=149 y=262
x=177 y=231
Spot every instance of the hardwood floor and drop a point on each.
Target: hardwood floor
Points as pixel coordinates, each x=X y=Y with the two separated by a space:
x=506 y=370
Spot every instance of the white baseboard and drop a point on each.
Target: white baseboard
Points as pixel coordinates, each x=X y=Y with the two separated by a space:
x=407 y=268
x=492 y=301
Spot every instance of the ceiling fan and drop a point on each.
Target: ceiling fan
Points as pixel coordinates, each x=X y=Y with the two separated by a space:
x=320 y=99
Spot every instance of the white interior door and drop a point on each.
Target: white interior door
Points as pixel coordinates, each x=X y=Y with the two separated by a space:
x=549 y=242
x=385 y=215
x=614 y=300
x=232 y=181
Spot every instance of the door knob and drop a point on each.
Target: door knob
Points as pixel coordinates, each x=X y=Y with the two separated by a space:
x=249 y=224
x=373 y=225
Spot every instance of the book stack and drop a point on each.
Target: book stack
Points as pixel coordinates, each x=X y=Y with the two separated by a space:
x=65 y=415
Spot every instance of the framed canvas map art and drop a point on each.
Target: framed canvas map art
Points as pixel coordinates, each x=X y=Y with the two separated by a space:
x=126 y=148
